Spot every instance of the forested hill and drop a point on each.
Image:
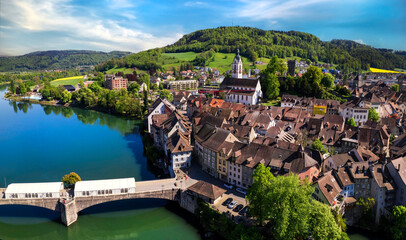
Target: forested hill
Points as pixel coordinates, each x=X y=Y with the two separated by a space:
x=67 y=59
x=253 y=42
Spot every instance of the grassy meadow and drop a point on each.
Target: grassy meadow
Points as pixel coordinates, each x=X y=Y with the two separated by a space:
x=67 y=81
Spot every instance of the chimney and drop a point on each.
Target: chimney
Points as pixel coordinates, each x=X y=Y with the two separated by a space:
x=398 y=167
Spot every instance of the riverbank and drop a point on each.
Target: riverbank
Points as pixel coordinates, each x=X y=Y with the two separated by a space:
x=69 y=104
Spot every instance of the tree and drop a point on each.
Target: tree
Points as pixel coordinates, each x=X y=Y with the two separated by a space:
x=134 y=87
x=70 y=179
x=66 y=96
x=395 y=87
x=222 y=95
x=145 y=78
x=166 y=94
x=319 y=146
x=22 y=88
x=146 y=103
x=269 y=81
x=313 y=77
x=373 y=115
x=366 y=206
x=321 y=223
x=352 y=122
x=12 y=87
x=399 y=222
x=288 y=206
x=327 y=80
x=257 y=194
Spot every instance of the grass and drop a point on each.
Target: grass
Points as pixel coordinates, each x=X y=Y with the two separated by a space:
x=185 y=56
x=67 y=81
x=377 y=70
x=272 y=103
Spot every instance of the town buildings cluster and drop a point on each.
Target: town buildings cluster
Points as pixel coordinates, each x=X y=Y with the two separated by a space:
x=230 y=138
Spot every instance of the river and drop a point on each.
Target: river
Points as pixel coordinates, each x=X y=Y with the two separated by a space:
x=42 y=143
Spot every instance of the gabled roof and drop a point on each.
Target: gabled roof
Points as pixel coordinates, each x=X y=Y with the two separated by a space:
x=239 y=82
x=329 y=187
x=178 y=143
x=207 y=189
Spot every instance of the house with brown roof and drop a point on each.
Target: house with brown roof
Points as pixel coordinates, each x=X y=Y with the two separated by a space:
x=345 y=181
x=374 y=137
x=160 y=106
x=328 y=191
x=179 y=151
x=208 y=141
x=206 y=191
x=337 y=161
x=398 y=148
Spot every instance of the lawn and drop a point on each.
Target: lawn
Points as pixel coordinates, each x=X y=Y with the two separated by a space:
x=124 y=70
x=67 y=81
x=185 y=56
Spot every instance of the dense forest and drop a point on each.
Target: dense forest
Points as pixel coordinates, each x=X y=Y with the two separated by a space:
x=253 y=43
x=48 y=60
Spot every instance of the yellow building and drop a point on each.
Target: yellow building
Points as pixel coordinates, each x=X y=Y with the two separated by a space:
x=319 y=109
x=222 y=165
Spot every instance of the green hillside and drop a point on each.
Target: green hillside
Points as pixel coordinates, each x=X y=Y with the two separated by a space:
x=257 y=44
x=48 y=60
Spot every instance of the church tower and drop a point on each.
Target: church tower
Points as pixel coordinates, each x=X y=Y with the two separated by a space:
x=237 y=66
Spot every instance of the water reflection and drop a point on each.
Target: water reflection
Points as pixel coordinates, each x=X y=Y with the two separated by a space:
x=90 y=117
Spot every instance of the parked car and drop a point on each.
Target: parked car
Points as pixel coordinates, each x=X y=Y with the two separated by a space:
x=232 y=204
x=229 y=186
x=243 y=211
x=238 y=208
x=228 y=201
x=240 y=190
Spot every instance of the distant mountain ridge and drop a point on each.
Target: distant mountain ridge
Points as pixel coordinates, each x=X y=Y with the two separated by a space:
x=56 y=59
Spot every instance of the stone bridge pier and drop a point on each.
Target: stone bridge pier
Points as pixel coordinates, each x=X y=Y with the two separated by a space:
x=69 y=214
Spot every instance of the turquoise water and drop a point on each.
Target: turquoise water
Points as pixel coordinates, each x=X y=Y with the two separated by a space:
x=42 y=143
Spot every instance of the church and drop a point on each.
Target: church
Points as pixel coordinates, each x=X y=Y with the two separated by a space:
x=238 y=89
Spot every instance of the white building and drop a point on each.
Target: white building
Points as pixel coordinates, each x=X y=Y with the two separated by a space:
x=241 y=90
x=160 y=106
x=234 y=174
x=180 y=151
x=105 y=187
x=34 y=190
x=358 y=111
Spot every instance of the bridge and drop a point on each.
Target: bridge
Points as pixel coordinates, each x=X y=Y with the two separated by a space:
x=169 y=189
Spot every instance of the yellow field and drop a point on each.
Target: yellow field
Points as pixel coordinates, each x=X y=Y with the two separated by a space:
x=377 y=70
x=68 y=78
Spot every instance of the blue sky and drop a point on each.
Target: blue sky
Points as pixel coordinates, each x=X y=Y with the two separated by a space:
x=34 y=25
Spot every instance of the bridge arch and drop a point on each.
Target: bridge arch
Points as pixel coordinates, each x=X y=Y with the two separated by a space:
x=86 y=202
x=51 y=204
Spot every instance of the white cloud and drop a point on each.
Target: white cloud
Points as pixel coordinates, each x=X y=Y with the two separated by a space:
x=60 y=16
x=195 y=4
x=274 y=9
x=360 y=41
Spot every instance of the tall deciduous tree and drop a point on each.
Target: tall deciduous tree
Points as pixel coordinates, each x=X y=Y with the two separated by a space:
x=327 y=80
x=269 y=80
x=166 y=94
x=257 y=194
x=373 y=115
x=71 y=178
x=321 y=222
x=399 y=222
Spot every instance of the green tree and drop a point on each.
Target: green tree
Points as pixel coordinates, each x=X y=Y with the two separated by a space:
x=134 y=87
x=222 y=95
x=373 y=115
x=166 y=94
x=318 y=145
x=12 y=86
x=327 y=80
x=66 y=96
x=269 y=81
x=339 y=219
x=321 y=222
x=70 y=179
x=257 y=194
x=145 y=78
x=395 y=87
x=23 y=89
x=366 y=206
x=289 y=206
x=399 y=222
x=313 y=77
x=352 y=122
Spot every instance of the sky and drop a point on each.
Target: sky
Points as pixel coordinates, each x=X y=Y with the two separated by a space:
x=106 y=25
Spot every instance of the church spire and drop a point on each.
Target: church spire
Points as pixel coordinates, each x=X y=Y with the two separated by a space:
x=237 y=65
